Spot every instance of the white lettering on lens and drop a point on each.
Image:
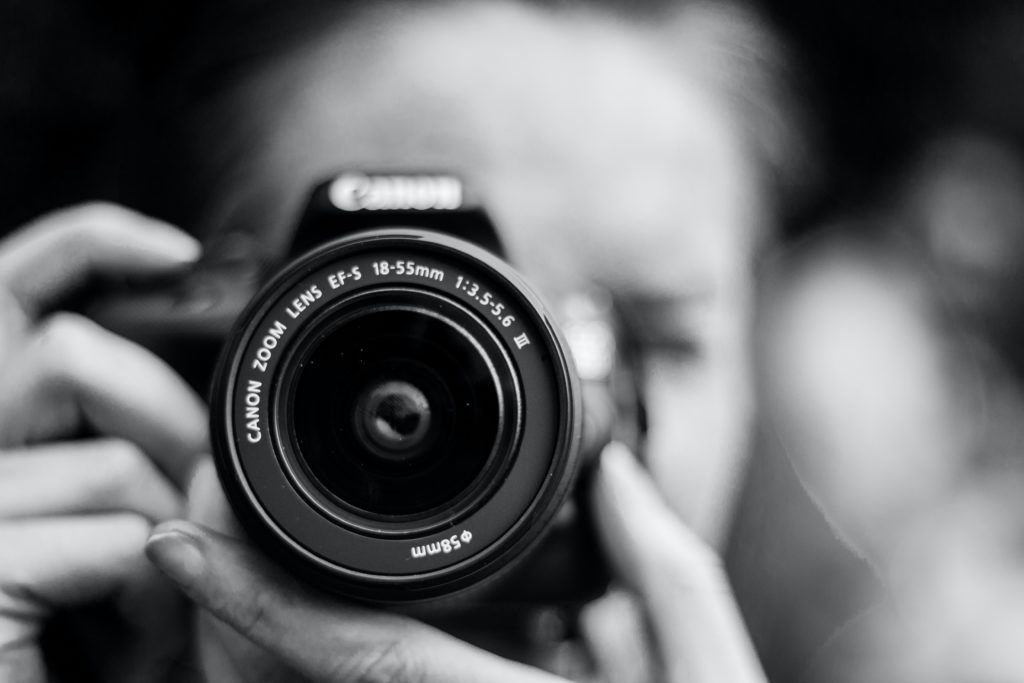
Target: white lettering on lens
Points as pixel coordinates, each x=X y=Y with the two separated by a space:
x=337 y=280
x=360 y=192
x=266 y=350
x=303 y=301
x=252 y=412
x=410 y=268
x=445 y=545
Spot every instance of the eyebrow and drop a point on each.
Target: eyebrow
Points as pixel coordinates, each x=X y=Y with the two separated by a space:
x=662 y=321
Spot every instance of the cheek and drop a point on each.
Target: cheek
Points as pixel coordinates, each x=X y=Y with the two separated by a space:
x=700 y=418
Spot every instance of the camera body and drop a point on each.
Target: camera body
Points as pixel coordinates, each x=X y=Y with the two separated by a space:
x=395 y=416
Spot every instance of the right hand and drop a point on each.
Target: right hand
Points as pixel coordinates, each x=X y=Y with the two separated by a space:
x=75 y=512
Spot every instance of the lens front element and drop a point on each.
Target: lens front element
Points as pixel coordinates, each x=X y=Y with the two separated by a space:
x=399 y=402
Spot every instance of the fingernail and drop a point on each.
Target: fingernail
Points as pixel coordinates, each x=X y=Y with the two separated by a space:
x=185 y=249
x=618 y=466
x=175 y=550
x=628 y=485
x=615 y=474
x=618 y=457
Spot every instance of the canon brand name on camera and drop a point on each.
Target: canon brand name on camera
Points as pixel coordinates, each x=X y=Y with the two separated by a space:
x=362 y=192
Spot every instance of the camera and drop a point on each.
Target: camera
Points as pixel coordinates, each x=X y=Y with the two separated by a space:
x=395 y=415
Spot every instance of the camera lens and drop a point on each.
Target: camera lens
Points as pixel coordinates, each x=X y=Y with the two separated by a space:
x=396 y=409
x=394 y=417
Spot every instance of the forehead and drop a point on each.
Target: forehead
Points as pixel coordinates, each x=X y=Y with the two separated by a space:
x=595 y=150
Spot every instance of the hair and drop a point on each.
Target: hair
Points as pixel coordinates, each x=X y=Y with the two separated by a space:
x=202 y=138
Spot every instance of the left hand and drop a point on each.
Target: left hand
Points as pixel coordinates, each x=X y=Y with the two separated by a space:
x=291 y=631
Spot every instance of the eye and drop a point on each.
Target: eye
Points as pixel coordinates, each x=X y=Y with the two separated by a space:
x=662 y=328
x=676 y=350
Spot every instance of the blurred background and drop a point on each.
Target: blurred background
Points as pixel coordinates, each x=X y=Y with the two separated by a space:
x=891 y=324
x=883 y=80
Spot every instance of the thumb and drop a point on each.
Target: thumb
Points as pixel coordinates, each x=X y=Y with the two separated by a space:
x=318 y=637
x=679 y=579
x=311 y=634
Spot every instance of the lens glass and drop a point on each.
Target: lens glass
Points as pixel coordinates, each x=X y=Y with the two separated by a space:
x=393 y=419
x=396 y=411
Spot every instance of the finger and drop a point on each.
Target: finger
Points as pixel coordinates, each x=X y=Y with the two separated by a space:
x=103 y=475
x=220 y=648
x=681 y=581
x=58 y=562
x=54 y=563
x=617 y=635
x=319 y=638
x=207 y=504
x=51 y=256
x=158 y=628
x=598 y=416
x=76 y=372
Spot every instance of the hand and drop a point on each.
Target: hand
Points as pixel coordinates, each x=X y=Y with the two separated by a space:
x=677 y=579
x=75 y=512
x=269 y=627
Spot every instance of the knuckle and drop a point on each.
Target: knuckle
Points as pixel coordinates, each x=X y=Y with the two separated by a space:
x=396 y=660
x=63 y=340
x=92 y=214
x=62 y=329
x=124 y=462
x=21 y=607
x=81 y=226
x=85 y=228
x=252 y=617
x=17 y=599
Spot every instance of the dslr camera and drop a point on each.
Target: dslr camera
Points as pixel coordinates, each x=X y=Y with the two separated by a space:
x=395 y=415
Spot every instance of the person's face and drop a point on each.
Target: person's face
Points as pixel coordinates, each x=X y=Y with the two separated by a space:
x=597 y=156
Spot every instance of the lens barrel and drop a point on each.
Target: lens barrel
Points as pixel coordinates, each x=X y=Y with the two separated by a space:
x=395 y=417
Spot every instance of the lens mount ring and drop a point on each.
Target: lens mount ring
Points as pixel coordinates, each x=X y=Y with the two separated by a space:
x=377 y=560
